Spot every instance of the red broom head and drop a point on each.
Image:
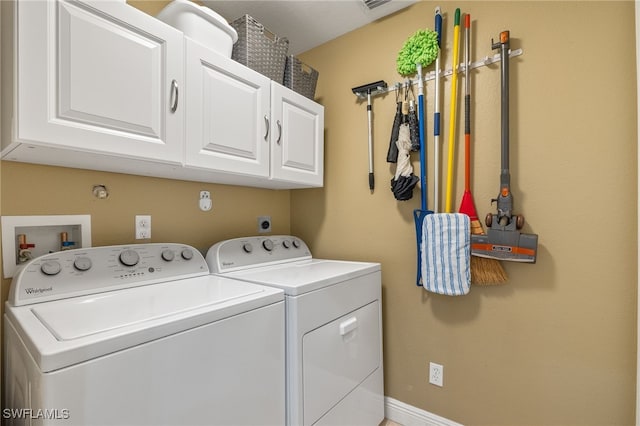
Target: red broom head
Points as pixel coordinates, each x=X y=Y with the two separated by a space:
x=468 y=207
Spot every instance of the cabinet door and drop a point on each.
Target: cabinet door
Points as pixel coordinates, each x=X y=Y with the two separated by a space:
x=227 y=117
x=297 y=141
x=99 y=76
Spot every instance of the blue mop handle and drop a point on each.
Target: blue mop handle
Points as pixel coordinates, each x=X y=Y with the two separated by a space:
x=423 y=145
x=436 y=113
x=436 y=116
x=439 y=25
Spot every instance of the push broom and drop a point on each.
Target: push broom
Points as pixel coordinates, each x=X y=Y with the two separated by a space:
x=366 y=91
x=484 y=271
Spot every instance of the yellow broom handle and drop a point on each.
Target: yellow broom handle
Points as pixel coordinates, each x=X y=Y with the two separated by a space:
x=452 y=116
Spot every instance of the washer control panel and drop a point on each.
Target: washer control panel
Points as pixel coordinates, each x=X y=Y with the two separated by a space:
x=78 y=272
x=230 y=255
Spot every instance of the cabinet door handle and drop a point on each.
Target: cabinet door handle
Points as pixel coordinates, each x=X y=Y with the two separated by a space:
x=174 y=96
x=279 y=132
x=266 y=125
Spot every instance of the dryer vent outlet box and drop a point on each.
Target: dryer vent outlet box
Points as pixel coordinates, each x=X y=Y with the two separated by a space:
x=27 y=237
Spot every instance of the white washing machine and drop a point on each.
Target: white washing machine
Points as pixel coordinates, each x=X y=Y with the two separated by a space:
x=333 y=326
x=141 y=335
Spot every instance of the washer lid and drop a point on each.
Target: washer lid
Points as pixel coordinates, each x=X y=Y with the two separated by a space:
x=65 y=332
x=114 y=310
x=304 y=276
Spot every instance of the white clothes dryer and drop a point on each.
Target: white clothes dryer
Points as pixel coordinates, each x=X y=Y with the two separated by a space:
x=141 y=335
x=333 y=326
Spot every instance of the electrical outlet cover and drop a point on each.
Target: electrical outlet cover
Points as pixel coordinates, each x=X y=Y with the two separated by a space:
x=436 y=373
x=143 y=227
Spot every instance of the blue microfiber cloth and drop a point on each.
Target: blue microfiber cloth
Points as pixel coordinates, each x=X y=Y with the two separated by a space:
x=446 y=253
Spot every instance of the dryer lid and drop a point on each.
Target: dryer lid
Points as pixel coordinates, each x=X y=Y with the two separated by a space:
x=301 y=277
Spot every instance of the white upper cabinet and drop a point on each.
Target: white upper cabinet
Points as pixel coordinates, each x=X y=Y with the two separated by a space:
x=297 y=140
x=239 y=121
x=97 y=77
x=227 y=114
x=98 y=84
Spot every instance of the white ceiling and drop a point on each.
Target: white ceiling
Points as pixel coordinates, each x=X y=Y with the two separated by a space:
x=306 y=23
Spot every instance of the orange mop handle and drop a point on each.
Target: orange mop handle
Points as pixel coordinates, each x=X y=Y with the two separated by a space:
x=452 y=115
x=467 y=105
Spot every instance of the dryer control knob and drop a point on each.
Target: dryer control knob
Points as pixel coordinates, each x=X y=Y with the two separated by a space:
x=286 y=244
x=247 y=247
x=167 y=255
x=82 y=263
x=50 y=267
x=187 y=254
x=268 y=245
x=296 y=243
x=129 y=258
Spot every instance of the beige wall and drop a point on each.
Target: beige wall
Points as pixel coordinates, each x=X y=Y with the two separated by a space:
x=173 y=205
x=556 y=345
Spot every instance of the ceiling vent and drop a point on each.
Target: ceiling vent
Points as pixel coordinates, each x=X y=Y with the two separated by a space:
x=372 y=4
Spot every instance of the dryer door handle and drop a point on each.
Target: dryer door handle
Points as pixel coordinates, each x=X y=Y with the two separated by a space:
x=348 y=326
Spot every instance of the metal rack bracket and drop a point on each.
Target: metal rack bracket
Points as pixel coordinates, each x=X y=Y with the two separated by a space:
x=431 y=75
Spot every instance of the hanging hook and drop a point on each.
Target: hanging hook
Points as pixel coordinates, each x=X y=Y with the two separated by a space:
x=407 y=85
x=413 y=95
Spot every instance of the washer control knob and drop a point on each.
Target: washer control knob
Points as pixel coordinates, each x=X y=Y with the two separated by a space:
x=296 y=243
x=267 y=245
x=50 y=267
x=187 y=254
x=82 y=263
x=167 y=255
x=247 y=247
x=286 y=244
x=129 y=257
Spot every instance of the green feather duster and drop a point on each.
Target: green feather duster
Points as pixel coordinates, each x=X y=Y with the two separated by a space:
x=420 y=48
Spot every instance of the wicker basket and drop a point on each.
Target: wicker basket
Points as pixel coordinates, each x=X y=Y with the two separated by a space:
x=259 y=49
x=300 y=77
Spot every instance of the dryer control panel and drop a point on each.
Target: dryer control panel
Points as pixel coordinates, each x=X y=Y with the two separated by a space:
x=71 y=273
x=241 y=253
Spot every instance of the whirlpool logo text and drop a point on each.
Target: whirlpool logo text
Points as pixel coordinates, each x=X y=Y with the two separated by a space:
x=32 y=290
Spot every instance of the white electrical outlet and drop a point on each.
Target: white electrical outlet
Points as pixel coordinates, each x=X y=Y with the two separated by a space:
x=143 y=227
x=436 y=373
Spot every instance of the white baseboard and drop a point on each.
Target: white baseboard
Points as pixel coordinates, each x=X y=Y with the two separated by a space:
x=408 y=415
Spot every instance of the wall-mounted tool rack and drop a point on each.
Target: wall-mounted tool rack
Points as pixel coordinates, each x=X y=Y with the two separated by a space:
x=431 y=75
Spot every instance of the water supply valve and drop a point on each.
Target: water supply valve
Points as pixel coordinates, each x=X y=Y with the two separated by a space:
x=24 y=249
